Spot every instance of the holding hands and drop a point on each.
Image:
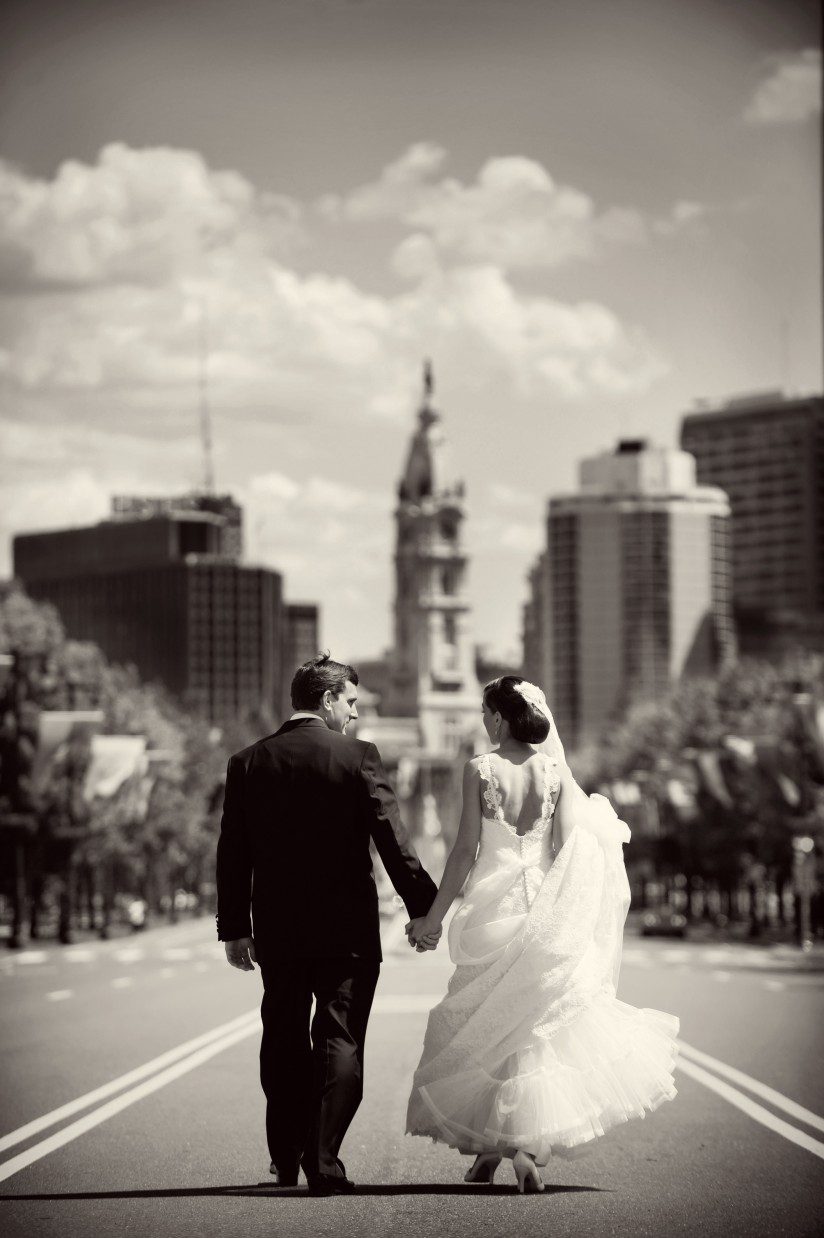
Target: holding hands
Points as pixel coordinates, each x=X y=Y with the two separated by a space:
x=423 y=933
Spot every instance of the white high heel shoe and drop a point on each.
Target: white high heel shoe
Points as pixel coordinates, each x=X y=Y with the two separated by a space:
x=483 y=1168
x=527 y=1173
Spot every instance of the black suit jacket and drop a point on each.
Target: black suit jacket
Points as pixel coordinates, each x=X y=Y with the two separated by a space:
x=299 y=810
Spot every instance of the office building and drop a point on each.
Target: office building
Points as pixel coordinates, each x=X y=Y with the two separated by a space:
x=633 y=588
x=767 y=453
x=300 y=644
x=161 y=587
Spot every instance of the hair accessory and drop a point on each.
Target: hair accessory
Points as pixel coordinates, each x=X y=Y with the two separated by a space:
x=534 y=696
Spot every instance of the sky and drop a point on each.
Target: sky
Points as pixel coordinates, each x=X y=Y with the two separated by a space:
x=588 y=213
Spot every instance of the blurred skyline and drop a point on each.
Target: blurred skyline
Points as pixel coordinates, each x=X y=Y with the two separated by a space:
x=588 y=214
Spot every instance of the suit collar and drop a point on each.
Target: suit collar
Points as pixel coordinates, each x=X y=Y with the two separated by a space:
x=292 y=723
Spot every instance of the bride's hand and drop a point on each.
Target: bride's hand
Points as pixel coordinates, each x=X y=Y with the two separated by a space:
x=423 y=933
x=429 y=934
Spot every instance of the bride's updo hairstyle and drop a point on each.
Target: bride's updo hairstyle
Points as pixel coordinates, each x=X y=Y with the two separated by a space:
x=527 y=723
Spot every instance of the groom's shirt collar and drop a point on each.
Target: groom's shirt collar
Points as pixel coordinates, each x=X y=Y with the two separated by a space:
x=305 y=713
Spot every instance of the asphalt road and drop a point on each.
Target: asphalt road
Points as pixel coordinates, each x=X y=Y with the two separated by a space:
x=131 y=1104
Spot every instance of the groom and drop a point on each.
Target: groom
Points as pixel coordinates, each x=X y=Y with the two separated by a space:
x=299 y=811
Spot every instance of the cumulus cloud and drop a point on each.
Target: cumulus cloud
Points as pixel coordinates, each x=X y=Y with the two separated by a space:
x=513 y=214
x=114 y=271
x=135 y=216
x=118 y=306
x=118 y=266
x=331 y=539
x=790 y=93
x=685 y=215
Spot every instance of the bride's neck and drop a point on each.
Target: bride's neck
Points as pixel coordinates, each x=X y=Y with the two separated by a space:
x=514 y=747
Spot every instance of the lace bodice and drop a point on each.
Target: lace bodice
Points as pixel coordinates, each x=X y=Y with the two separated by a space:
x=494 y=805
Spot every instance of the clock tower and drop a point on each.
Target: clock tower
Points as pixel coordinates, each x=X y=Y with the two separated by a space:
x=432 y=664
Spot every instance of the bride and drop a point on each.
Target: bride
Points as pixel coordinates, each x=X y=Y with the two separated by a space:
x=531 y=1052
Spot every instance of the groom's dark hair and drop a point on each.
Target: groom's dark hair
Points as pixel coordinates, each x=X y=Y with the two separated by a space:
x=318 y=676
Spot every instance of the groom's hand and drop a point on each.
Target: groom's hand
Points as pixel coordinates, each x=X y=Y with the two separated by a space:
x=422 y=936
x=240 y=953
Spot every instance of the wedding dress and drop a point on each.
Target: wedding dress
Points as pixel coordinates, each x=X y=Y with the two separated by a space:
x=530 y=1048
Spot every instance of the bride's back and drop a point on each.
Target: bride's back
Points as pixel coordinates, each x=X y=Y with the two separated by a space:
x=521 y=785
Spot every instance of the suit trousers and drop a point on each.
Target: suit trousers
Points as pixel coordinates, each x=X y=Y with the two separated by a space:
x=313 y=1078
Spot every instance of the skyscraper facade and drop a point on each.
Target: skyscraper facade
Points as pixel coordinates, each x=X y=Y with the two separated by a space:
x=161 y=588
x=633 y=588
x=767 y=453
x=300 y=643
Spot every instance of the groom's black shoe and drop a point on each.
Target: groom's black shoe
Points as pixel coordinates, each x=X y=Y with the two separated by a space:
x=283 y=1176
x=330 y=1184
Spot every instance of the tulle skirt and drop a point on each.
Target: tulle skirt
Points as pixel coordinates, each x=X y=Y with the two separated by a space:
x=531 y=1049
x=611 y=1064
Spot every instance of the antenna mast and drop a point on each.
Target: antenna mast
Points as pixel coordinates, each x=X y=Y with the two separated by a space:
x=203 y=401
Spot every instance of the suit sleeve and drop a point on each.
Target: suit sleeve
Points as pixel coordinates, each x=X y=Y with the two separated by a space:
x=407 y=874
x=234 y=862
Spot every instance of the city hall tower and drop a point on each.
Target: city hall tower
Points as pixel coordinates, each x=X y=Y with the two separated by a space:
x=432 y=663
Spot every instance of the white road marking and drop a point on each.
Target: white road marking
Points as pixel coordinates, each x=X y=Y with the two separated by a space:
x=59 y=995
x=722 y=975
x=122 y=982
x=177 y=952
x=775 y=985
x=742 y=1102
x=777 y=1099
x=721 y=954
x=79 y=954
x=28 y=957
x=112 y=1107
x=216 y=949
x=114 y=1085
x=676 y=954
x=129 y=954
x=166 y=973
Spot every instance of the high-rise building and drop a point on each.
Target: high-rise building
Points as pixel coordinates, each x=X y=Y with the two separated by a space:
x=300 y=644
x=534 y=634
x=431 y=672
x=767 y=453
x=161 y=588
x=230 y=537
x=633 y=588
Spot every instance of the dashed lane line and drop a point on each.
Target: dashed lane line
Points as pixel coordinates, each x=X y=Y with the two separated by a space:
x=59 y=995
x=157 y=1064
x=129 y=954
x=122 y=982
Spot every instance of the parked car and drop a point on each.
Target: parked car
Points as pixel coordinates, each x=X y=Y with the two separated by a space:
x=663 y=922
